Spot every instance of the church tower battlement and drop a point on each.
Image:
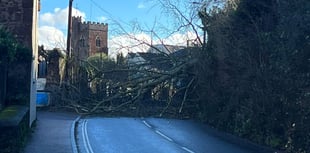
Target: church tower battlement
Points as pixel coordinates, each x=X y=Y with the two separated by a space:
x=88 y=38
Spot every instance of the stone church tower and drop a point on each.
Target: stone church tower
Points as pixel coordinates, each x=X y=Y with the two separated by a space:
x=88 y=38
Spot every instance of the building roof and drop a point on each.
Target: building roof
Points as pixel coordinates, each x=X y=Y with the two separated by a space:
x=166 y=49
x=160 y=61
x=155 y=60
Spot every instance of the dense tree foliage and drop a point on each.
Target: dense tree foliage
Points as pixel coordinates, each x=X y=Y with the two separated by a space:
x=13 y=55
x=254 y=75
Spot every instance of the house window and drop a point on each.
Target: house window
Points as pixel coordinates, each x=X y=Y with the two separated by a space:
x=98 y=41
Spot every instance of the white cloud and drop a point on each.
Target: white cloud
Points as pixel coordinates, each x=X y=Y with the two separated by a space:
x=102 y=19
x=51 y=37
x=140 y=42
x=129 y=43
x=141 y=6
x=53 y=25
x=180 y=39
x=59 y=18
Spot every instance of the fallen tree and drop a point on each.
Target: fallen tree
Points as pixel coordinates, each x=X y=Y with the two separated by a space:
x=251 y=78
x=137 y=88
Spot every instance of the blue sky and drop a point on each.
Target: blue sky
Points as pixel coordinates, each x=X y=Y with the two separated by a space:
x=53 y=22
x=121 y=11
x=95 y=10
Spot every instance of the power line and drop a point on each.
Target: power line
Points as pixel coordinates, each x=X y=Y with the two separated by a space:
x=101 y=8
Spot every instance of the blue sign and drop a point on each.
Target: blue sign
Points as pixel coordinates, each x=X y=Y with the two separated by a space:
x=43 y=98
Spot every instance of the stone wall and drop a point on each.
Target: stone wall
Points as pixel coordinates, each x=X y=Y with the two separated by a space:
x=97 y=31
x=16 y=16
x=53 y=71
x=84 y=36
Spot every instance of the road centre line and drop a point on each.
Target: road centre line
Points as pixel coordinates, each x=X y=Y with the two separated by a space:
x=166 y=137
x=163 y=135
x=147 y=124
x=188 y=150
x=157 y=131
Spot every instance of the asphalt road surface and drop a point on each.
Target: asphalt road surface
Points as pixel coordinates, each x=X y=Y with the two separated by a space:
x=152 y=135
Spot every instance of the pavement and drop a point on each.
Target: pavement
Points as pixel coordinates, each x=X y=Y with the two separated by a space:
x=52 y=133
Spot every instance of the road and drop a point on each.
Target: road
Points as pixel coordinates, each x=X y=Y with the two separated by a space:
x=153 y=135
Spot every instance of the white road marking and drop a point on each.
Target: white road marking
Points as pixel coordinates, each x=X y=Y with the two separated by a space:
x=166 y=137
x=85 y=138
x=72 y=135
x=83 y=135
x=188 y=150
x=163 y=135
x=147 y=124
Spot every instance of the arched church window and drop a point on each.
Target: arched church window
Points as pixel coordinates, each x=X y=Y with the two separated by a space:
x=82 y=41
x=98 y=41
